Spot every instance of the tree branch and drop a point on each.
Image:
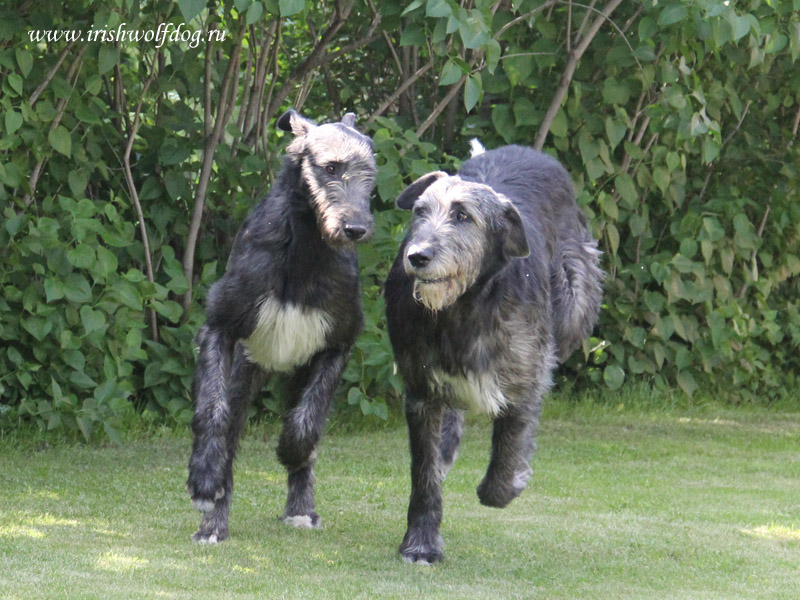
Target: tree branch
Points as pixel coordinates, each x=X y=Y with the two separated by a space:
x=226 y=96
x=314 y=59
x=61 y=107
x=454 y=89
x=134 y=194
x=399 y=91
x=50 y=74
x=569 y=70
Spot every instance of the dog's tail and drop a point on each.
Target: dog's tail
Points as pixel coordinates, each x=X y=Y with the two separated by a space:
x=577 y=292
x=475 y=148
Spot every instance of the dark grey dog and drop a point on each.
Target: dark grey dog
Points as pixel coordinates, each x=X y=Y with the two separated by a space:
x=289 y=302
x=496 y=281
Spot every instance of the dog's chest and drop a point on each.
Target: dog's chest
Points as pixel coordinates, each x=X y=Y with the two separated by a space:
x=286 y=335
x=481 y=392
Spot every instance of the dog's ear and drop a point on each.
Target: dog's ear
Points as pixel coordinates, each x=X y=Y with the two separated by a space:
x=292 y=122
x=349 y=119
x=515 y=242
x=408 y=196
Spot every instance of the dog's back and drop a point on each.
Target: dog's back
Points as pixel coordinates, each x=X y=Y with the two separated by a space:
x=541 y=189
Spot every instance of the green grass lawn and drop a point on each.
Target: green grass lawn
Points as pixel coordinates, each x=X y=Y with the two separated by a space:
x=672 y=504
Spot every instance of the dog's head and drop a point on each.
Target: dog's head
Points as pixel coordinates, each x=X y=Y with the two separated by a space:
x=337 y=164
x=460 y=230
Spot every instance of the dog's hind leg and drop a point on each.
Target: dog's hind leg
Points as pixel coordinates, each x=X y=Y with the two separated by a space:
x=513 y=442
x=452 y=428
x=311 y=392
x=422 y=542
x=245 y=381
x=211 y=419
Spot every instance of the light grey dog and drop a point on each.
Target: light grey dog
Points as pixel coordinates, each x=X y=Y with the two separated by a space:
x=495 y=283
x=289 y=302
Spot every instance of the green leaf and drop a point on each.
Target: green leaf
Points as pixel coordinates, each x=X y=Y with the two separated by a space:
x=740 y=27
x=518 y=68
x=615 y=92
x=654 y=302
x=241 y=5
x=77 y=289
x=503 y=122
x=106 y=262
x=291 y=7
x=493 y=53
x=354 y=395
x=413 y=6
x=85 y=426
x=413 y=35
x=438 y=8
x=672 y=14
x=626 y=189
x=128 y=295
x=191 y=8
x=81 y=257
x=615 y=131
x=254 y=12
x=174 y=151
x=664 y=328
x=662 y=179
x=525 y=112
x=472 y=91
x=614 y=377
x=451 y=73
x=38 y=327
x=13 y=121
x=15 y=81
x=169 y=309
x=106 y=58
x=60 y=140
x=559 y=125
x=687 y=382
x=77 y=181
x=613 y=238
x=25 y=61
x=92 y=319
x=710 y=149
x=53 y=289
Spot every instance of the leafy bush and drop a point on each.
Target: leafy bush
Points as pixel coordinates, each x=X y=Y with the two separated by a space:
x=125 y=168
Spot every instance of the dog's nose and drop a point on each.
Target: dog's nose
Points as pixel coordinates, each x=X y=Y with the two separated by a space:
x=354 y=232
x=420 y=256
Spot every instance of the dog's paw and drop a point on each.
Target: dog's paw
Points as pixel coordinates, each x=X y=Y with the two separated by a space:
x=421 y=556
x=499 y=494
x=210 y=535
x=421 y=547
x=496 y=496
x=309 y=521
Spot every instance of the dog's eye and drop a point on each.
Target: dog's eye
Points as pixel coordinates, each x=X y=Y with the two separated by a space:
x=420 y=211
x=462 y=216
x=330 y=169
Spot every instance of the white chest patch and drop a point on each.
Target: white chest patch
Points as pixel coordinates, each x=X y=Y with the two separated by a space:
x=286 y=335
x=480 y=392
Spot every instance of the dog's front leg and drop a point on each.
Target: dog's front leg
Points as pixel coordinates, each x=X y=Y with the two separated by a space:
x=311 y=393
x=422 y=542
x=513 y=442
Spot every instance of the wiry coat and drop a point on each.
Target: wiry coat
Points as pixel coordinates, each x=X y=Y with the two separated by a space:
x=496 y=281
x=289 y=302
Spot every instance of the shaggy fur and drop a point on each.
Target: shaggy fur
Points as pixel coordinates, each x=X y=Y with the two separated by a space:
x=289 y=302
x=496 y=281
